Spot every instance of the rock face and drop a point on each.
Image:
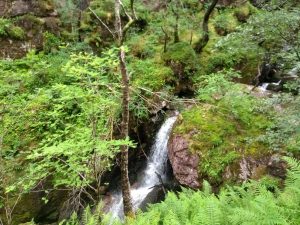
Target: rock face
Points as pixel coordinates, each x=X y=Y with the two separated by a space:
x=254 y=168
x=13 y=8
x=30 y=17
x=189 y=172
x=184 y=163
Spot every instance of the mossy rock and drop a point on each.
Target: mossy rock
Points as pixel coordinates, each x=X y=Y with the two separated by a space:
x=219 y=139
x=242 y=13
x=225 y=23
x=16 y=32
x=181 y=52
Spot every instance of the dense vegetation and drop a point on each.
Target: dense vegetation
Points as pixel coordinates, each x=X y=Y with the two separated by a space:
x=62 y=115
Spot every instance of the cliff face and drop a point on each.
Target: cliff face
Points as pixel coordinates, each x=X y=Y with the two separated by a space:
x=23 y=23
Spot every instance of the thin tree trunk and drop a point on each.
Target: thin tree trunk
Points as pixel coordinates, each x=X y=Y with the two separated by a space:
x=128 y=208
x=165 y=39
x=204 y=40
x=176 y=30
x=176 y=27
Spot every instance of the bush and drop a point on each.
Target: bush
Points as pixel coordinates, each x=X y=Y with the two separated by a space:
x=150 y=74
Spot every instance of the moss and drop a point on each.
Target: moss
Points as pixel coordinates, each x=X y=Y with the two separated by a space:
x=16 y=32
x=4 y=24
x=225 y=23
x=142 y=46
x=181 y=52
x=46 y=5
x=8 y=29
x=219 y=138
x=30 y=21
x=243 y=12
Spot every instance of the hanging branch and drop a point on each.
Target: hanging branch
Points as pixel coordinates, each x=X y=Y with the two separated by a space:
x=103 y=24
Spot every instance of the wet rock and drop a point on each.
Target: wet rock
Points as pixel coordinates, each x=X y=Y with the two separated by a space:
x=183 y=162
x=275 y=87
x=277 y=167
x=155 y=195
x=255 y=168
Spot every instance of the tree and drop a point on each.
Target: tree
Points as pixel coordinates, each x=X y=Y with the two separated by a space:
x=119 y=38
x=121 y=32
x=204 y=40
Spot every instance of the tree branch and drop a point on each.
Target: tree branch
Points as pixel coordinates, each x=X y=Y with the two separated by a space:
x=103 y=24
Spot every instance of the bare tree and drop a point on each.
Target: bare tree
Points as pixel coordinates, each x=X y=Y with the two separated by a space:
x=119 y=36
x=121 y=32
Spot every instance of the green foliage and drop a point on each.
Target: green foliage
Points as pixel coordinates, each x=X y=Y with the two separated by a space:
x=221 y=133
x=284 y=134
x=51 y=42
x=250 y=204
x=265 y=32
x=7 y=28
x=4 y=24
x=103 y=9
x=58 y=113
x=217 y=84
x=149 y=74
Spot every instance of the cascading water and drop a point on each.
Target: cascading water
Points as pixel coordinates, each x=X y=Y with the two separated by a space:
x=264 y=86
x=156 y=164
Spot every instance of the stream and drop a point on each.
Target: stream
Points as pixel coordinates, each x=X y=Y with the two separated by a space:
x=148 y=178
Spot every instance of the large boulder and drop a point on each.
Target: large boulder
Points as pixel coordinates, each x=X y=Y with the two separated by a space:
x=184 y=163
x=210 y=144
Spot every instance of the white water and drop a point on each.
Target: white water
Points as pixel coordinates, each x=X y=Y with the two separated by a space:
x=264 y=86
x=157 y=163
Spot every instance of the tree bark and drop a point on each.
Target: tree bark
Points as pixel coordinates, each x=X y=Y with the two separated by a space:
x=165 y=39
x=128 y=208
x=176 y=27
x=204 y=40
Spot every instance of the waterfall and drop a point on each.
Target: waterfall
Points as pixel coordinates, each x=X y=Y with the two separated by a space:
x=156 y=164
x=264 y=86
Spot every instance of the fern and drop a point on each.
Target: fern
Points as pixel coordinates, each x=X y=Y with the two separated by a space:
x=250 y=204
